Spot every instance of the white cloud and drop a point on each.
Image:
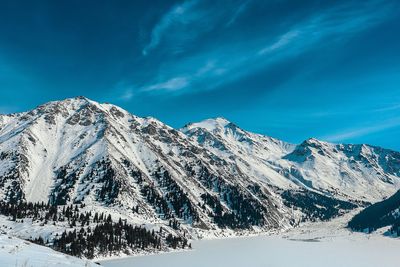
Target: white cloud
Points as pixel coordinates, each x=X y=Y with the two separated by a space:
x=124 y=91
x=179 y=14
x=170 y=85
x=363 y=131
x=226 y=62
x=237 y=13
x=388 y=108
x=283 y=41
x=184 y=23
x=127 y=95
x=209 y=66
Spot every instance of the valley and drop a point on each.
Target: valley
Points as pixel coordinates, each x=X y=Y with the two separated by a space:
x=94 y=181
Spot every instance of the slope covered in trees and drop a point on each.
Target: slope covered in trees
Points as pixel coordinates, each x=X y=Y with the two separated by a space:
x=90 y=234
x=381 y=214
x=316 y=206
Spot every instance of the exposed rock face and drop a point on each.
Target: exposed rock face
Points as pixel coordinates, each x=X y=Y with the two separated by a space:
x=209 y=175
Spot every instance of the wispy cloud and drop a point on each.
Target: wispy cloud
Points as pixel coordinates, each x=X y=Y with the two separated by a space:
x=237 y=13
x=362 y=131
x=393 y=107
x=127 y=94
x=186 y=22
x=180 y=15
x=282 y=41
x=226 y=62
x=124 y=91
x=170 y=85
x=210 y=68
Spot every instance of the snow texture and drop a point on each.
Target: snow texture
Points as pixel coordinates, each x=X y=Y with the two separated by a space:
x=20 y=253
x=326 y=244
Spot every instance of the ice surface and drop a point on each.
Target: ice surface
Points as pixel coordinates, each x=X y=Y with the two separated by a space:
x=312 y=245
x=276 y=252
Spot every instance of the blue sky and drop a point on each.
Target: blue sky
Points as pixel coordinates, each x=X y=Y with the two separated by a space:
x=288 y=69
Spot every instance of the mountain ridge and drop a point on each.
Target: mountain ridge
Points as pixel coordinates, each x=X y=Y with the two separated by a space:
x=210 y=176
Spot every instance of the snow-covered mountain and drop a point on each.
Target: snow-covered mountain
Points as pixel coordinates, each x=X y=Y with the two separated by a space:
x=209 y=175
x=360 y=172
x=80 y=151
x=357 y=172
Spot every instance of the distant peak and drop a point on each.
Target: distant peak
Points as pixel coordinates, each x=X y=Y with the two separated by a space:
x=211 y=124
x=77 y=99
x=313 y=142
x=221 y=120
x=80 y=97
x=76 y=103
x=66 y=101
x=70 y=105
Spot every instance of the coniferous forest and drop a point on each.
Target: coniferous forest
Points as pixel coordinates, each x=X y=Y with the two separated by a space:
x=90 y=234
x=381 y=214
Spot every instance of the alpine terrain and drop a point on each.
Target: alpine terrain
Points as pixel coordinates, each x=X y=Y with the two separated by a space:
x=93 y=180
x=382 y=214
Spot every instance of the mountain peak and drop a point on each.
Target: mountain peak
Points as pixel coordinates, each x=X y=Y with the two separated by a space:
x=73 y=102
x=77 y=103
x=211 y=124
x=314 y=142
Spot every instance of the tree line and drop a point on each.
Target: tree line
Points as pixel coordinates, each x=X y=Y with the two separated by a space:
x=90 y=234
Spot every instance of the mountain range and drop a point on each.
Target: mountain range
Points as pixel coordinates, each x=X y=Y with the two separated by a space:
x=207 y=177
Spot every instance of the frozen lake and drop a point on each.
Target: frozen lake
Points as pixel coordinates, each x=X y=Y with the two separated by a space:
x=348 y=250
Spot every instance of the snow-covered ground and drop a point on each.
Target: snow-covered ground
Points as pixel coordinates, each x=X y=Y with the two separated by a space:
x=327 y=244
x=20 y=253
x=319 y=244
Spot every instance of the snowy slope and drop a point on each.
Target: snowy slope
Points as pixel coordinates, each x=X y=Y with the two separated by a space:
x=327 y=244
x=357 y=172
x=19 y=253
x=252 y=153
x=354 y=171
x=80 y=151
x=211 y=176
